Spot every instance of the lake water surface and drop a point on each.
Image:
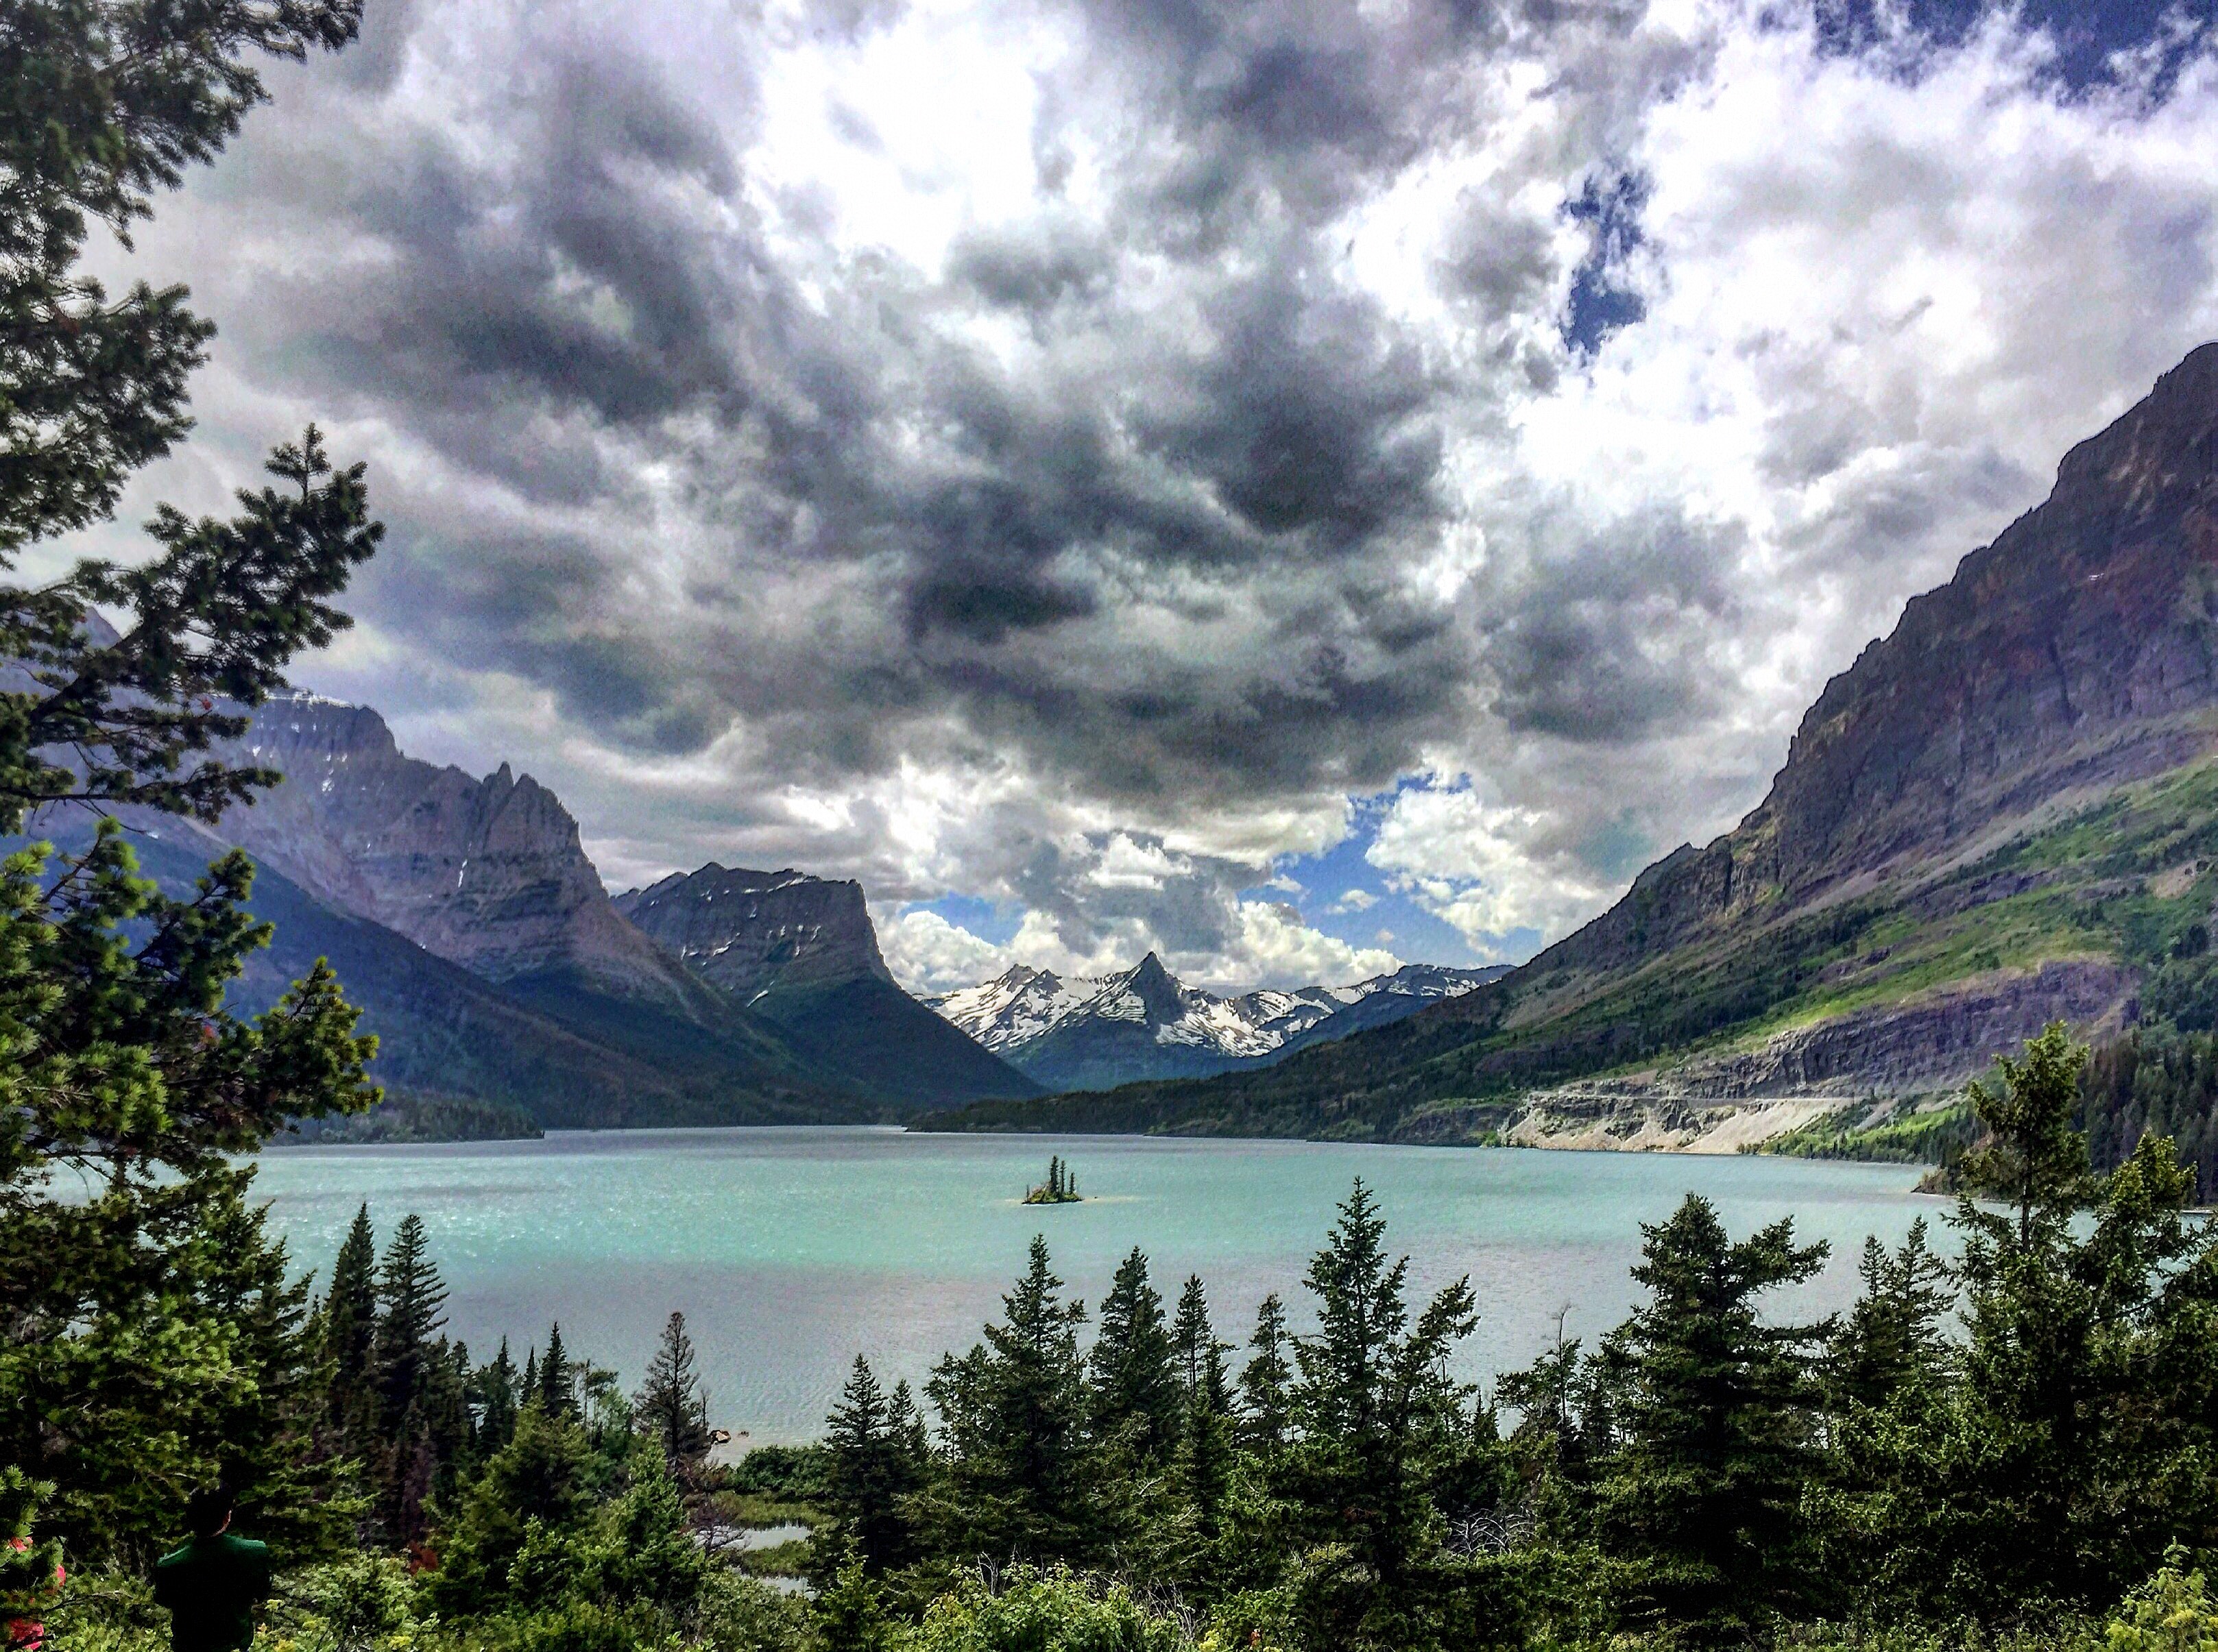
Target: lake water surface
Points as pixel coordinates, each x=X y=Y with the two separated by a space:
x=790 y=1251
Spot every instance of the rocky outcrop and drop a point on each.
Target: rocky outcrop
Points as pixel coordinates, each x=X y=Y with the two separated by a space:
x=800 y=951
x=1724 y=1102
x=751 y=933
x=488 y=873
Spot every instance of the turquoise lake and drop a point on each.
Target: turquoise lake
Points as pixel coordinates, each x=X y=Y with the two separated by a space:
x=790 y=1251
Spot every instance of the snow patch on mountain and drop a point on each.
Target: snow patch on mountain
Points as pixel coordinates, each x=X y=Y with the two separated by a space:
x=1015 y=1011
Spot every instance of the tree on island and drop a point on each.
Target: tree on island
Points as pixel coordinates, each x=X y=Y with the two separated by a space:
x=1061 y=1187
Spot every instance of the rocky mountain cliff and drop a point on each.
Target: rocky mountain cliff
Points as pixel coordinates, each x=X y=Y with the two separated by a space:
x=799 y=952
x=790 y=1016
x=488 y=874
x=2076 y=652
x=443 y=1031
x=751 y=933
x=1080 y=1032
x=2004 y=811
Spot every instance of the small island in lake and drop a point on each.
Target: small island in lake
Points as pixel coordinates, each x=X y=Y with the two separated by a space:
x=1061 y=1187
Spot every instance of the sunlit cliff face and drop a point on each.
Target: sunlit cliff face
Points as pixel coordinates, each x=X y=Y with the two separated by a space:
x=1291 y=486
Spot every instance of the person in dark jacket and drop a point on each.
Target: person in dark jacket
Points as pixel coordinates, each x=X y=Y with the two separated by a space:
x=213 y=1584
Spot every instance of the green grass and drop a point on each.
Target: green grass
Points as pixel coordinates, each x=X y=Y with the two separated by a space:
x=785 y=1560
x=1916 y=1138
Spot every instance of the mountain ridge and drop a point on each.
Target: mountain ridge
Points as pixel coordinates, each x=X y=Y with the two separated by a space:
x=1144 y=1022
x=799 y=952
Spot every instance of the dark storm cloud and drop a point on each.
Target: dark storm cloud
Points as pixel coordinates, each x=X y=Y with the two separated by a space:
x=1307 y=417
x=1612 y=636
x=1034 y=268
x=1286 y=105
x=1131 y=491
x=584 y=278
x=613 y=284
x=1184 y=901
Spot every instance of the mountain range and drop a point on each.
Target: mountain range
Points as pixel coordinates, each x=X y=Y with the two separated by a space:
x=509 y=992
x=1089 y=1033
x=2004 y=811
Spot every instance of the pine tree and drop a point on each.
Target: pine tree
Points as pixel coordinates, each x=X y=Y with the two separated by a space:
x=1264 y=1381
x=1719 y=1414
x=1893 y=1337
x=120 y=1060
x=1199 y=1356
x=413 y=1406
x=2074 y=1452
x=648 y=1555
x=851 y=1614
x=2033 y=1158
x=411 y=1298
x=1134 y=1398
x=1375 y=1418
x=1205 y=1450
x=494 y=1396
x=541 y=1475
x=446 y=1406
x=671 y=1407
x=348 y=1321
x=1013 y=1412
x=268 y=1430
x=558 y=1379
x=878 y=1460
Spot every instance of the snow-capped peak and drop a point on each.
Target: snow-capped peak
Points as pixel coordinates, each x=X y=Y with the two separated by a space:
x=1014 y=1013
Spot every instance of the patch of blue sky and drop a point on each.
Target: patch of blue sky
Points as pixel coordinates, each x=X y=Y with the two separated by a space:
x=995 y=924
x=1341 y=894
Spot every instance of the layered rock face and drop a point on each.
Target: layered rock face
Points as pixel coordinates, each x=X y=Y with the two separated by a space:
x=2078 y=651
x=751 y=933
x=487 y=873
x=799 y=952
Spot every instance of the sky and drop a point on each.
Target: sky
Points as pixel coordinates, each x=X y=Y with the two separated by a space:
x=1298 y=487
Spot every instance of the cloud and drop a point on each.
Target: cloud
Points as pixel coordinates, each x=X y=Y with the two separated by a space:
x=1061 y=453
x=1480 y=866
x=926 y=954
x=1289 y=953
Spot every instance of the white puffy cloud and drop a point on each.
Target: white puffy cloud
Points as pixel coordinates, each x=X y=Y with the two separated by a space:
x=1281 y=951
x=1481 y=867
x=927 y=954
